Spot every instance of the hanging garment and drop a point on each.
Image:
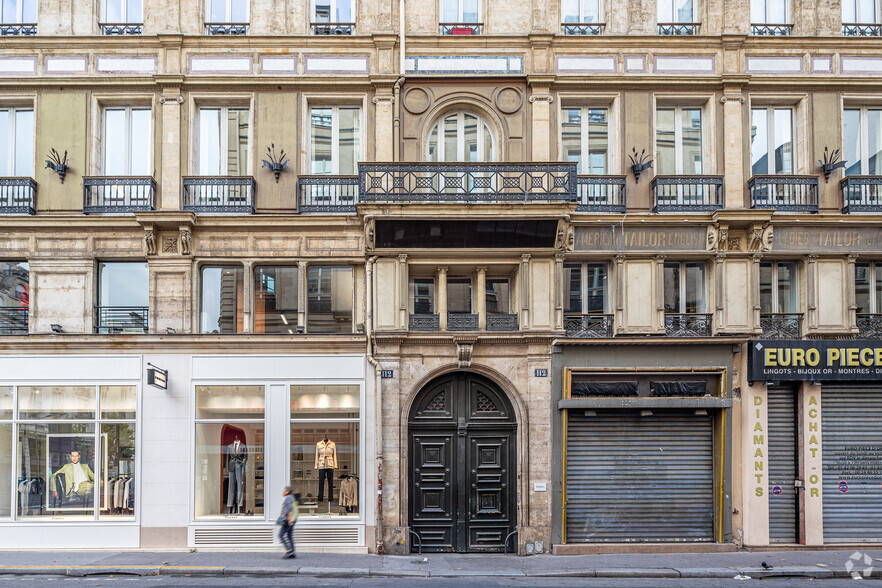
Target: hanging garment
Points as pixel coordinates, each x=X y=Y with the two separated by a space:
x=349 y=492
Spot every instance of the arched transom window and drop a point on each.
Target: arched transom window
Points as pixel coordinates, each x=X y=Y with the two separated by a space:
x=461 y=136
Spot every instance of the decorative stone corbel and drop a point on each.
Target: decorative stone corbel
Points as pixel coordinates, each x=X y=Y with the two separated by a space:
x=739 y=98
x=185 y=240
x=150 y=240
x=464 y=353
x=760 y=237
x=713 y=238
x=547 y=98
x=383 y=98
x=166 y=99
x=369 y=236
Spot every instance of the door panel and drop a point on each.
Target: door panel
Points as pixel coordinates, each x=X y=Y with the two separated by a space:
x=432 y=498
x=489 y=500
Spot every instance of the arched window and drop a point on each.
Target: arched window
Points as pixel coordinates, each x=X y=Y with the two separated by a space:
x=461 y=136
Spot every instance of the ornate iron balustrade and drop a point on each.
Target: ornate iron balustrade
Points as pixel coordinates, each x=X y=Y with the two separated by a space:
x=781 y=325
x=115 y=320
x=14 y=320
x=124 y=194
x=226 y=28
x=332 y=28
x=424 y=322
x=688 y=325
x=796 y=193
x=589 y=326
x=460 y=321
x=219 y=194
x=502 y=322
x=870 y=326
x=687 y=193
x=327 y=193
x=582 y=28
x=121 y=29
x=601 y=193
x=18 y=30
x=859 y=29
x=18 y=196
x=461 y=28
x=771 y=30
x=466 y=182
x=861 y=194
x=679 y=29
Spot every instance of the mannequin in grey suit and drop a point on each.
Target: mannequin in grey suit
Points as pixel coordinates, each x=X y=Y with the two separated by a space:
x=237 y=456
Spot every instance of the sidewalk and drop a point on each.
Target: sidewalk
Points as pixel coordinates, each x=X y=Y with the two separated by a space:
x=809 y=564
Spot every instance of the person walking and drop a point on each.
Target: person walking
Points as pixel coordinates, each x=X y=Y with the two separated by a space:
x=286 y=520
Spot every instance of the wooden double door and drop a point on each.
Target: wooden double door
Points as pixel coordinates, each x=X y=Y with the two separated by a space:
x=462 y=435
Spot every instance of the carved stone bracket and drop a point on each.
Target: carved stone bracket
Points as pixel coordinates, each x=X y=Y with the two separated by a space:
x=369 y=239
x=732 y=98
x=166 y=99
x=383 y=98
x=464 y=349
x=150 y=240
x=548 y=98
x=760 y=237
x=185 y=240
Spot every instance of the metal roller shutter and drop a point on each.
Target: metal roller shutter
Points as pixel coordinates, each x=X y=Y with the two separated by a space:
x=783 y=518
x=633 y=478
x=851 y=426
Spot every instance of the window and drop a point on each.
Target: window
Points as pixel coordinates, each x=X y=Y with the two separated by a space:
x=771 y=143
x=868 y=287
x=325 y=439
x=459 y=295
x=582 y=11
x=227 y=11
x=862 y=136
x=769 y=11
x=335 y=140
x=126 y=141
x=222 y=299
x=422 y=296
x=223 y=140
x=587 y=288
x=14 y=297
x=329 y=299
x=333 y=11
x=778 y=288
x=461 y=136
x=676 y=11
x=678 y=141
x=16 y=142
x=585 y=139
x=275 y=299
x=122 y=11
x=858 y=11
x=685 y=288
x=460 y=11
x=122 y=297
x=19 y=11
x=497 y=296
x=230 y=454
x=76 y=452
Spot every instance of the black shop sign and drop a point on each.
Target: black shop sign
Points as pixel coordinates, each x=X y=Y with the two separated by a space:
x=817 y=361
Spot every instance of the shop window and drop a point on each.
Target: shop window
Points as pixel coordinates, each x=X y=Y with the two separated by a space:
x=422 y=295
x=122 y=298
x=325 y=442
x=222 y=297
x=14 y=297
x=126 y=140
x=778 y=288
x=275 y=299
x=771 y=143
x=329 y=299
x=678 y=141
x=585 y=139
x=230 y=452
x=868 y=287
x=461 y=137
x=685 y=288
x=334 y=140
x=76 y=451
x=587 y=288
x=222 y=141
x=16 y=141
x=593 y=388
x=497 y=296
x=862 y=136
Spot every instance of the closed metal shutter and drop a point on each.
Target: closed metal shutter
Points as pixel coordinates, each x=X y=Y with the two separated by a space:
x=783 y=517
x=633 y=478
x=851 y=425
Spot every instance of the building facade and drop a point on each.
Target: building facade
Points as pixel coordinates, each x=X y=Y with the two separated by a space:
x=468 y=275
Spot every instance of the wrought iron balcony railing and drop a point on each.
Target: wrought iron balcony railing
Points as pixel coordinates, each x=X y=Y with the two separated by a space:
x=502 y=322
x=115 y=320
x=219 y=194
x=860 y=29
x=779 y=325
x=461 y=28
x=687 y=193
x=861 y=194
x=870 y=326
x=332 y=28
x=582 y=28
x=226 y=28
x=601 y=193
x=783 y=192
x=118 y=194
x=424 y=322
x=327 y=193
x=460 y=321
x=771 y=30
x=466 y=182
x=688 y=325
x=678 y=28
x=14 y=320
x=18 y=196
x=588 y=326
x=18 y=30
x=121 y=29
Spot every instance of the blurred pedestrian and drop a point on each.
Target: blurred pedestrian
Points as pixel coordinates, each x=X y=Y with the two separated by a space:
x=286 y=520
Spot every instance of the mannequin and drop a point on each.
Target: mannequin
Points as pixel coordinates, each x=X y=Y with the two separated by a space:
x=237 y=456
x=326 y=463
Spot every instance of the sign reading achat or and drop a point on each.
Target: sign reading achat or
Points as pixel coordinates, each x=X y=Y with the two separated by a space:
x=817 y=361
x=157 y=377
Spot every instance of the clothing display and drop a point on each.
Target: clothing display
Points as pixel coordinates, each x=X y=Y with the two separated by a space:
x=326 y=473
x=349 y=492
x=237 y=456
x=78 y=478
x=121 y=495
x=325 y=455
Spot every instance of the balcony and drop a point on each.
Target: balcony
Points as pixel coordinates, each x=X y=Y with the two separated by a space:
x=588 y=326
x=687 y=193
x=502 y=322
x=219 y=194
x=870 y=326
x=678 y=28
x=424 y=322
x=784 y=193
x=121 y=29
x=123 y=194
x=861 y=194
x=332 y=28
x=771 y=30
x=582 y=28
x=600 y=193
x=116 y=320
x=226 y=28
x=18 y=196
x=860 y=29
x=781 y=325
x=688 y=325
x=14 y=320
x=18 y=30
x=461 y=28
x=466 y=182
x=460 y=321
x=327 y=193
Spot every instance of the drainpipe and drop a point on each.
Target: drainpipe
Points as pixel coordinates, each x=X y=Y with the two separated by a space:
x=396 y=121
x=378 y=393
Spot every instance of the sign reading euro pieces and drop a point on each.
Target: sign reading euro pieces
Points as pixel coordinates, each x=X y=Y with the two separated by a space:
x=653 y=239
x=815 y=361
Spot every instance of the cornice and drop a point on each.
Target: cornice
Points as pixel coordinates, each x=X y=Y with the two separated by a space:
x=184 y=343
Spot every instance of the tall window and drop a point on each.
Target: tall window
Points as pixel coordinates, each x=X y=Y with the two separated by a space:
x=422 y=295
x=678 y=141
x=275 y=299
x=585 y=139
x=778 y=288
x=333 y=11
x=126 y=141
x=459 y=295
x=862 y=137
x=676 y=11
x=582 y=11
x=497 y=296
x=14 y=297
x=859 y=11
x=771 y=144
x=19 y=11
x=329 y=292
x=587 y=288
x=227 y=11
x=335 y=140
x=460 y=136
x=122 y=297
x=222 y=297
x=122 y=11
x=770 y=11
x=868 y=287
x=16 y=142
x=685 y=288
x=223 y=138
x=460 y=11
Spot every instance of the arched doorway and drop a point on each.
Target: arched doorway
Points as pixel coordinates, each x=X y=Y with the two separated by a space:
x=461 y=439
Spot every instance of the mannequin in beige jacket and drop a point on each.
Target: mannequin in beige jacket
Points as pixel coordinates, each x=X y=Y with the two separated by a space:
x=326 y=463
